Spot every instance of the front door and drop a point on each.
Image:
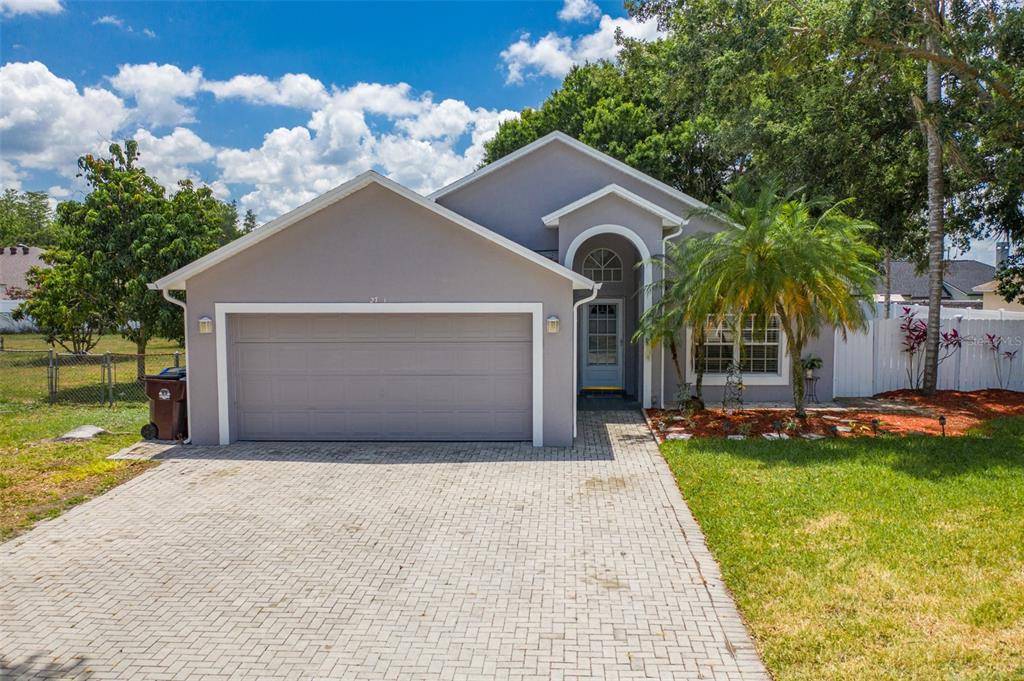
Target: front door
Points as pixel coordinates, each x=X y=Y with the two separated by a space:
x=602 y=346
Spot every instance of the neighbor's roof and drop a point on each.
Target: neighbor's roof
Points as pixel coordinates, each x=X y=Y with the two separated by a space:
x=558 y=136
x=668 y=219
x=14 y=267
x=176 y=280
x=959 y=279
x=987 y=287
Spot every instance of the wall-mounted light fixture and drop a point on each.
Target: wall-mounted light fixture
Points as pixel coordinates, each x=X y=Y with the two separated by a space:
x=205 y=325
x=553 y=323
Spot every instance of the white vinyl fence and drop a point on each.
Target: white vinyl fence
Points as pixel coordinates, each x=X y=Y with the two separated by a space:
x=876 y=361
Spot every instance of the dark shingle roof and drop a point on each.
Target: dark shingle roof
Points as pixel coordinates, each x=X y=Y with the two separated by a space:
x=961 y=275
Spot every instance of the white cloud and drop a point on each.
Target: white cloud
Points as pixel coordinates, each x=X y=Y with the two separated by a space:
x=156 y=89
x=553 y=55
x=601 y=43
x=11 y=8
x=292 y=89
x=579 y=10
x=149 y=33
x=169 y=158
x=10 y=178
x=47 y=123
x=448 y=119
x=109 y=20
x=388 y=100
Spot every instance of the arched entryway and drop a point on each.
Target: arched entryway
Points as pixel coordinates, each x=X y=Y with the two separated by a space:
x=607 y=358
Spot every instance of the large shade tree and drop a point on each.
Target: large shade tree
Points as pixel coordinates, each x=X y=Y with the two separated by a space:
x=125 y=233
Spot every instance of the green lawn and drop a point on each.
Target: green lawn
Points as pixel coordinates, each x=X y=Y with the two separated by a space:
x=870 y=558
x=40 y=479
x=35 y=341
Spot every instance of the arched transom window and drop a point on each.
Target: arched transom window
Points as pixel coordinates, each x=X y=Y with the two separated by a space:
x=603 y=265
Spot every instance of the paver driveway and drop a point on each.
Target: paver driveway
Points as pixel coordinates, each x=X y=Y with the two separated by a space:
x=411 y=561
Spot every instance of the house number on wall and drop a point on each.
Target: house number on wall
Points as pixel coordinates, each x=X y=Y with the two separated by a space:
x=376 y=299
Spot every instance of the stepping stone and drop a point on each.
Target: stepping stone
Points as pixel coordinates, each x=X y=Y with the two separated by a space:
x=81 y=433
x=679 y=436
x=812 y=436
x=844 y=429
x=775 y=436
x=737 y=437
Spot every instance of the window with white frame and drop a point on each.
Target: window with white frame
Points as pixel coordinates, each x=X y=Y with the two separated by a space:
x=603 y=266
x=755 y=346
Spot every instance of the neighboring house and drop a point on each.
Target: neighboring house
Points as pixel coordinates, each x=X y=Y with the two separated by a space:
x=478 y=313
x=15 y=262
x=990 y=300
x=959 y=279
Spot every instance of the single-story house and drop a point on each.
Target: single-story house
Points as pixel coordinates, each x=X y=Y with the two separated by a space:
x=958 y=282
x=477 y=313
x=15 y=262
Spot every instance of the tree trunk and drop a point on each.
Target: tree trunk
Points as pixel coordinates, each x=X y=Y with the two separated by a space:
x=140 y=357
x=674 y=349
x=936 y=232
x=698 y=364
x=888 y=284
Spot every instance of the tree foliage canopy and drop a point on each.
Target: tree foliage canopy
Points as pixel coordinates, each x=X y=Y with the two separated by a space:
x=125 y=233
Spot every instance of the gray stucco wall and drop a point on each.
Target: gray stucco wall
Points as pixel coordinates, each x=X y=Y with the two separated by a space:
x=513 y=199
x=377 y=244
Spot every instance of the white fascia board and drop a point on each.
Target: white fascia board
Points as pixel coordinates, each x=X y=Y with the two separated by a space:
x=580 y=146
x=177 y=279
x=668 y=219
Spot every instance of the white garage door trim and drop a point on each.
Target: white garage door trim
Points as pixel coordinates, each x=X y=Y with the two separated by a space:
x=536 y=310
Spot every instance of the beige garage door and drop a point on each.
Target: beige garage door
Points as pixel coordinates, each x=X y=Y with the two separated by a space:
x=380 y=377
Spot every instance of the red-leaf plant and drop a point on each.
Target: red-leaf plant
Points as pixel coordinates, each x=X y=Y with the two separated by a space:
x=915 y=333
x=1001 y=357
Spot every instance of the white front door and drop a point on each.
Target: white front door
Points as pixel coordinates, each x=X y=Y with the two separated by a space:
x=602 y=345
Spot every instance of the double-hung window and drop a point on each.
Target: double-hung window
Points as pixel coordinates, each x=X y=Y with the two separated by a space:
x=755 y=347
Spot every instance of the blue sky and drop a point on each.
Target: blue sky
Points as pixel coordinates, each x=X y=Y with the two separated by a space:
x=273 y=103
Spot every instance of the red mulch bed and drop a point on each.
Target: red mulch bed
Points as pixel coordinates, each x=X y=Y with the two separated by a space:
x=911 y=413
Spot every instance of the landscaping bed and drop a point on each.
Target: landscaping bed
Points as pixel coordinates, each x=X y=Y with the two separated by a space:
x=901 y=412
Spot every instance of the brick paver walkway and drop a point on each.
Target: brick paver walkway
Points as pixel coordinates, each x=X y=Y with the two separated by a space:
x=410 y=561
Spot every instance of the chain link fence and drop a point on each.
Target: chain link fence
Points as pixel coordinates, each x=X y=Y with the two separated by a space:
x=68 y=378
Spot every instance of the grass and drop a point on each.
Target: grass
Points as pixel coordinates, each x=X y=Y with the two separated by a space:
x=40 y=479
x=23 y=375
x=113 y=343
x=889 y=558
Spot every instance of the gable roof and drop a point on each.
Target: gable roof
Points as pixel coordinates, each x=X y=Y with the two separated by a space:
x=559 y=136
x=668 y=219
x=176 y=280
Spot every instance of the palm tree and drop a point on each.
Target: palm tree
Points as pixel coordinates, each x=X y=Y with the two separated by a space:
x=680 y=303
x=806 y=262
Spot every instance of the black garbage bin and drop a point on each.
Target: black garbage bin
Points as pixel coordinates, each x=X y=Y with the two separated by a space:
x=167 y=406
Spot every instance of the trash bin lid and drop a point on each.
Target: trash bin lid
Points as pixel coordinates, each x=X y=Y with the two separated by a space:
x=173 y=373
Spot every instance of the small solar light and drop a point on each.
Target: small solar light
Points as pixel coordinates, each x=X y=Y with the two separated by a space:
x=834 y=429
x=942 y=422
x=777 y=426
x=874 y=426
x=726 y=427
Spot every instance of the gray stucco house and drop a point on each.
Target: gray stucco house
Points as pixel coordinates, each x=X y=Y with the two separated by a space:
x=477 y=313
